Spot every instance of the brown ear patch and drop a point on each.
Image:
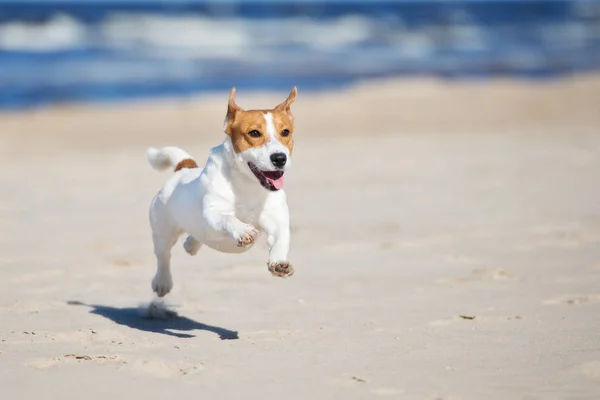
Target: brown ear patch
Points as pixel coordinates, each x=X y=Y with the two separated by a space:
x=186 y=163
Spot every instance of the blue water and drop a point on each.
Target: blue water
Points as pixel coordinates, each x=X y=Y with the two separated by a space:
x=79 y=50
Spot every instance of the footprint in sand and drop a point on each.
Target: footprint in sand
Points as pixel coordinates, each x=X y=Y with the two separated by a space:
x=574 y=299
x=72 y=359
x=164 y=369
x=155 y=367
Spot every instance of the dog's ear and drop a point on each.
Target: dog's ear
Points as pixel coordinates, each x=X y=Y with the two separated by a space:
x=232 y=110
x=285 y=106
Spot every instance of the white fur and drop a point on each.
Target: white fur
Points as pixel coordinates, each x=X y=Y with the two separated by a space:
x=217 y=206
x=270 y=127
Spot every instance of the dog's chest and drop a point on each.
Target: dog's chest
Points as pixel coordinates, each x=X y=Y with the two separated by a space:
x=248 y=211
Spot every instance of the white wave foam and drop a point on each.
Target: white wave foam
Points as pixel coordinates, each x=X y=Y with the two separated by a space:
x=197 y=36
x=59 y=33
x=330 y=44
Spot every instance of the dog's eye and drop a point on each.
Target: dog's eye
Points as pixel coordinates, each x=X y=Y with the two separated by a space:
x=254 y=133
x=285 y=132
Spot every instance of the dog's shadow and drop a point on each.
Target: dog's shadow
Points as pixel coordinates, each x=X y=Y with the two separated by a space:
x=133 y=318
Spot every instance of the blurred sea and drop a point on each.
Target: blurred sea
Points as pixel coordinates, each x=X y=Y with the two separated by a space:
x=94 y=50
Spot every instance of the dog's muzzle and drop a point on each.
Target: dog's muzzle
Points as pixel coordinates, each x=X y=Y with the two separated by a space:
x=270 y=180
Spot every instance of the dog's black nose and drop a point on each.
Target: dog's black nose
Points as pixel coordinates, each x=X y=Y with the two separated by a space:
x=278 y=159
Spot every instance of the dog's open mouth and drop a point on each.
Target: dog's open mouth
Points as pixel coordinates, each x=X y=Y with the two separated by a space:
x=271 y=180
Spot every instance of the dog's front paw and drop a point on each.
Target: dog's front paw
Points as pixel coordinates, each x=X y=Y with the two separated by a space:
x=247 y=236
x=281 y=269
x=162 y=284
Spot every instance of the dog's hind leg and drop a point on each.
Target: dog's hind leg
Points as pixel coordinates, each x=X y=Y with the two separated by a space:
x=162 y=283
x=164 y=236
x=191 y=245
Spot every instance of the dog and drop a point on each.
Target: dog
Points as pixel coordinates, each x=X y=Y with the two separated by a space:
x=236 y=196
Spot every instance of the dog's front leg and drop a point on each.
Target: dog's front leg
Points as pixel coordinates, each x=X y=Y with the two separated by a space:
x=277 y=227
x=222 y=220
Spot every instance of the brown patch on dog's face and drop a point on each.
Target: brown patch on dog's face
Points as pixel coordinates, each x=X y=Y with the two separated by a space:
x=249 y=129
x=284 y=128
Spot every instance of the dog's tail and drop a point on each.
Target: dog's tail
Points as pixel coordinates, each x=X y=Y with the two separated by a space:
x=170 y=157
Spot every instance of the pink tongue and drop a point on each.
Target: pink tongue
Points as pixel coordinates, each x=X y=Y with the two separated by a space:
x=277 y=183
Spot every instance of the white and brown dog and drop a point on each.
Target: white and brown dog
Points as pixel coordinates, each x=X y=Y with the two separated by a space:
x=237 y=194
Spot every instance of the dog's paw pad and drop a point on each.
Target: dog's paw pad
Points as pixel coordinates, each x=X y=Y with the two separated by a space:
x=248 y=237
x=281 y=269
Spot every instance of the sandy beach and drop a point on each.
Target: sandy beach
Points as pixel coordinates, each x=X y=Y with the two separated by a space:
x=445 y=237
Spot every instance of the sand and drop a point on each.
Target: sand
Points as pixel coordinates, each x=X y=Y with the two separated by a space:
x=446 y=242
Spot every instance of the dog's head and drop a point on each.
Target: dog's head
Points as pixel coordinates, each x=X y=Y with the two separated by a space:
x=262 y=140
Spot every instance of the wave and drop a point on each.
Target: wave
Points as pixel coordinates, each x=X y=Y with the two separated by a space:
x=78 y=53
